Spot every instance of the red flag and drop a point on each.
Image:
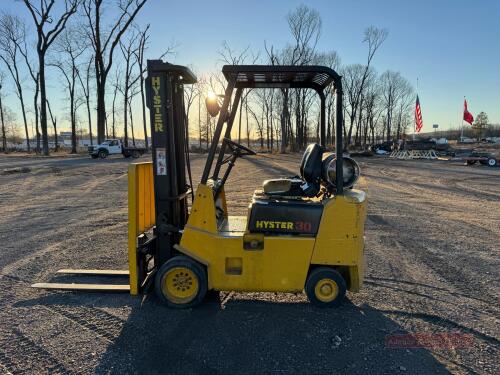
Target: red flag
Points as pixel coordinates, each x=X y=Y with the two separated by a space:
x=467 y=115
x=418 y=117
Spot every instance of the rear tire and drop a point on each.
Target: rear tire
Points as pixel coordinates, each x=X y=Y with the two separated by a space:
x=103 y=154
x=136 y=154
x=325 y=287
x=181 y=282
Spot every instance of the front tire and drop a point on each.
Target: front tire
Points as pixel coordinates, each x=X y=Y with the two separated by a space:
x=136 y=154
x=492 y=162
x=181 y=282
x=103 y=154
x=325 y=287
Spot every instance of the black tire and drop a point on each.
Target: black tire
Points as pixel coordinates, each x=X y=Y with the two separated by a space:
x=329 y=278
x=103 y=154
x=471 y=162
x=492 y=162
x=94 y=156
x=188 y=269
x=136 y=154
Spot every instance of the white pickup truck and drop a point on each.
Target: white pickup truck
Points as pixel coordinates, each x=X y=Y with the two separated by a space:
x=114 y=147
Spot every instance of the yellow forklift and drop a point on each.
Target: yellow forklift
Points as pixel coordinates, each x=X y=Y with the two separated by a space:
x=301 y=233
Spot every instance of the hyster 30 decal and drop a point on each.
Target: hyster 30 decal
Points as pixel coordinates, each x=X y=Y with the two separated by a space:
x=286 y=225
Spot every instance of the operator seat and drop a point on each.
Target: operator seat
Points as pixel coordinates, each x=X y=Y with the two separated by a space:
x=282 y=208
x=307 y=185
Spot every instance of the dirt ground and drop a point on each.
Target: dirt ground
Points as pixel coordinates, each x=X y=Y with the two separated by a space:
x=432 y=255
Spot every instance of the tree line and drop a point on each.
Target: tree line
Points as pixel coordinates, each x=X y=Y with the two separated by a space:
x=100 y=61
x=81 y=41
x=377 y=106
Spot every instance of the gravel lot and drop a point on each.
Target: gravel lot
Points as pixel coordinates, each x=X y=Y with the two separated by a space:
x=432 y=245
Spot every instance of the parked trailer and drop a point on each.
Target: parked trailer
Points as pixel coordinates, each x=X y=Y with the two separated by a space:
x=484 y=158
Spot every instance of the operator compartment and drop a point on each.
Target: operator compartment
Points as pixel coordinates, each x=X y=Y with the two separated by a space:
x=294 y=206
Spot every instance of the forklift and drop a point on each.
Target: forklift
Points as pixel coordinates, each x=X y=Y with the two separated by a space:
x=301 y=233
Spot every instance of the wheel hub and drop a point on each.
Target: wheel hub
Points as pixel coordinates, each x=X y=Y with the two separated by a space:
x=182 y=281
x=326 y=290
x=180 y=285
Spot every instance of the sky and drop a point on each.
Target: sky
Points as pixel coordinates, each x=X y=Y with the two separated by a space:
x=451 y=46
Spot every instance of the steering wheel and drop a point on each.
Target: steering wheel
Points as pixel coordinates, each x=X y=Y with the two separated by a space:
x=237 y=147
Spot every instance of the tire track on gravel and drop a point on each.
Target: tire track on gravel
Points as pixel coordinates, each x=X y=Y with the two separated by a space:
x=412 y=308
x=26 y=354
x=96 y=320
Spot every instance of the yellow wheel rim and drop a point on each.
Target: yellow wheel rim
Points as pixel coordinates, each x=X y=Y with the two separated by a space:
x=180 y=285
x=326 y=290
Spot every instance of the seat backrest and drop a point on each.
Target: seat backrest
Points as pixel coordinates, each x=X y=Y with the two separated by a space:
x=310 y=166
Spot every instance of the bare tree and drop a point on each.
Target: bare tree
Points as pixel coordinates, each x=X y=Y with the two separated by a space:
x=69 y=49
x=12 y=36
x=359 y=74
x=390 y=85
x=23 y=49
x=104 y=41
x=86 y=92
x=10 y=123
x=54 y=124
x=130 y=98
x=139 y=54
x=129 y=48
x=191 y=92
x=42 y=16
x=404 y=105
x=116 y=85
x=234 y=57
x=200 y=87
x=4 y=136
x=305 y=26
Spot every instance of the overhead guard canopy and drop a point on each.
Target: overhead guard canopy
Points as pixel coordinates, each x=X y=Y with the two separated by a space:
x=242 y=77
x=281 y=76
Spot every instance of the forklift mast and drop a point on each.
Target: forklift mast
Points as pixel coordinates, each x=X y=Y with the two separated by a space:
x=169 y=148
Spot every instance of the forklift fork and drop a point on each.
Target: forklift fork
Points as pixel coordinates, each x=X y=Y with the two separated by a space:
x=141 y=244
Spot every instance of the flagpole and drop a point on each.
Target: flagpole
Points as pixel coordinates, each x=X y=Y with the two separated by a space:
x=462 y=132
x=414 y=125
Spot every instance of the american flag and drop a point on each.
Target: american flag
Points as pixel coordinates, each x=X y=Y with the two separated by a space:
x=418 y=117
